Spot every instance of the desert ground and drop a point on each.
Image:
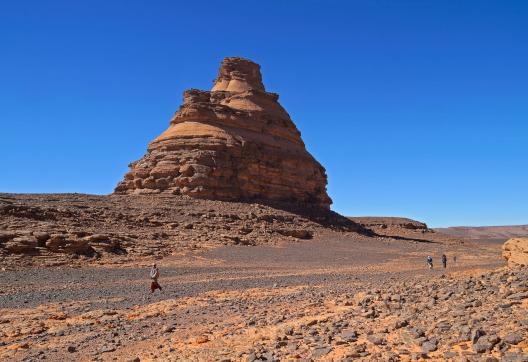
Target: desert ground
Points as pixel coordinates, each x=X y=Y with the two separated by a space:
x=246 y=282
x=335 y=297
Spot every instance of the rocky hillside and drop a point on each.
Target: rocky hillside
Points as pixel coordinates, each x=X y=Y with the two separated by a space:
x=55 y=227
x=235 y=142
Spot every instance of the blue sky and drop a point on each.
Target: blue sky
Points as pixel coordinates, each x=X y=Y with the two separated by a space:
x=415 y=108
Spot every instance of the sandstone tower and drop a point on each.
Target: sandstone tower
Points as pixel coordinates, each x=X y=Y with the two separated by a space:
x=235 y=142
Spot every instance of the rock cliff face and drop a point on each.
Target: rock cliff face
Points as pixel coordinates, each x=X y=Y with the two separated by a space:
x=235 y=142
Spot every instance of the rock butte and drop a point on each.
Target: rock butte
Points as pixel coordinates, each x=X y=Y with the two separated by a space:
x=235 y=142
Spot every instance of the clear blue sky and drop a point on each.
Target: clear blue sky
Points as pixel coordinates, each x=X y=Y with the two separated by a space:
x=415 y=108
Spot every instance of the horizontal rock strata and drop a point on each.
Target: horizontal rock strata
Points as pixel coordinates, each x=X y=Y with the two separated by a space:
x=235 y=142
x=57 y=228
x=390 y=222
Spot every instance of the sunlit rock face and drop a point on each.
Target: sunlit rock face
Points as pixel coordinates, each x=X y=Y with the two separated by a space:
x=235 y=142
x=515 y=251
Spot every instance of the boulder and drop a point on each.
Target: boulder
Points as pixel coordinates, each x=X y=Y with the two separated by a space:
x=235 y=142
x=42 y=237
x=24 y=244
x=80 y=247
x=6 y=236
x=56 y=242
x=515 y=251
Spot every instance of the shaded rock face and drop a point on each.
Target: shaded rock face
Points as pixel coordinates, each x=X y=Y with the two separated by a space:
x=235 y=142
x=515 y=251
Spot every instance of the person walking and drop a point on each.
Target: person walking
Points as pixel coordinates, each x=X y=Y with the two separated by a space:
x=444 y=261
x=430 y=262
x=154 y=275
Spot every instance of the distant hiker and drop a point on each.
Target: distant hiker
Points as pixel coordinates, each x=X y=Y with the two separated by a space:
x=430 y=262
x=154 y=275
x=454 y=259
x=444 y=261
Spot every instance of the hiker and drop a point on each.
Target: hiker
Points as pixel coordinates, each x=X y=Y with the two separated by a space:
x=154 y=275
x=454 y=259
x=444 y=261
x=430 y=262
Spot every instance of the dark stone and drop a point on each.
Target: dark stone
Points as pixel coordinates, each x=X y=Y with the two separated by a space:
x=377 y=339
x=320 y=352
x=428 y=347
x=476 y=335
x=513 y=338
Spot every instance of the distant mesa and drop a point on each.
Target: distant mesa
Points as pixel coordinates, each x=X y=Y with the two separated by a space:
x=235 y=142
x=388 y=222
x=486 y=232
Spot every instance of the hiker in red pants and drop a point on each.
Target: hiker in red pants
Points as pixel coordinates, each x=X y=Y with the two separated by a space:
x=154 y=275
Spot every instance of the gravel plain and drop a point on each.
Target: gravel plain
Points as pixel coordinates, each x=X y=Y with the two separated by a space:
x=338 y=298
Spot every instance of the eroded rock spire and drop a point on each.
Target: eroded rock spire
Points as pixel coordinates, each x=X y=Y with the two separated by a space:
x=235 y=142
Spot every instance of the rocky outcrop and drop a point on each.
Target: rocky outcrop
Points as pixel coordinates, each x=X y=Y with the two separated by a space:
x=515 y=251
x=235 y=142
x=59 y=228
x=401 y=228
x=28 y=242
x=384 y=222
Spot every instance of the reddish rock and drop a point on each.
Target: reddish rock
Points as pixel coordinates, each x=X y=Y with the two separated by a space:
x=235 y=142
x=515 y=251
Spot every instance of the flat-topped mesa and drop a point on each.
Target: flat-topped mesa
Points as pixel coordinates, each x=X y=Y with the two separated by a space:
x=235 y=142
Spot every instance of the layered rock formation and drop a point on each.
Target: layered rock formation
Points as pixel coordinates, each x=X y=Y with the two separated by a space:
x=59 y=228
x=235 y=142
x=387 y=222
x=515 y=251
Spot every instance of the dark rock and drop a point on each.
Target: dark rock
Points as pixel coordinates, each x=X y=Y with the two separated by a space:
x=477 y=333
x=349 y=335
x=513 y=338
x=416 y=332
x=518 y=296
x=167 y=329
x=106 y=349
x=377 y=339
x=321 y=351
x=429 y=347
x=449 y=354
x=486 y=343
